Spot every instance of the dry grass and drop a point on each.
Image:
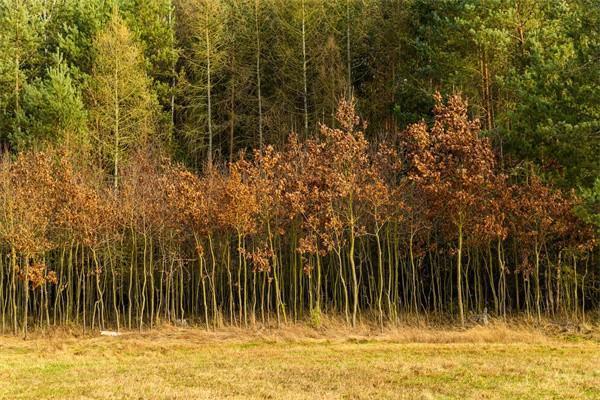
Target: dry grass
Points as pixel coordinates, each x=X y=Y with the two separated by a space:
x=302 y=363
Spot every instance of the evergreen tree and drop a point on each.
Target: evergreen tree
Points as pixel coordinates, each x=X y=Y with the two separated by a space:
x=20 y=42
x=71 y=32
x=54 y=110
x=153 y=23
x=555 y=120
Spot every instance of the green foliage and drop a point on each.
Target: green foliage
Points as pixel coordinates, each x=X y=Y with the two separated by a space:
x=153 y=24
x=54 y=110
x=122 y=105
x=20 y=45
x=555 y=119
x=528 y=68
x=590 y=209
x=71 y=30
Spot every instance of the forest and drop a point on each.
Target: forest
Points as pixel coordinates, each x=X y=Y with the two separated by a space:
x=247 y=162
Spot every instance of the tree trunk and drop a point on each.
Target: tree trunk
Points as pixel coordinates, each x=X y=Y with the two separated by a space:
x=459 y=275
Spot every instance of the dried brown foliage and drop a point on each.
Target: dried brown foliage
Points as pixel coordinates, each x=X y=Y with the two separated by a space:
x=330 y=206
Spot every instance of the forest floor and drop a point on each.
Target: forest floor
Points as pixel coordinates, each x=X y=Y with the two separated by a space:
x=493 y=362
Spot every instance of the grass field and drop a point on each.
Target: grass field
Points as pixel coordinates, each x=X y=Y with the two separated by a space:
x=479 y=363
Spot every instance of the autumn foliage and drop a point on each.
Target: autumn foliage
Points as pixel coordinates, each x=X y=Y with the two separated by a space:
x=426 y=223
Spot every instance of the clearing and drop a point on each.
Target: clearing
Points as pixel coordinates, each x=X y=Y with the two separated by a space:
x=299 y=363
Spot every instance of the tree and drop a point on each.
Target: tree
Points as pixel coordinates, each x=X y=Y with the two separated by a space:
x=346 y=152
x=202 y=26
x=591 y=209
x=455 y=169
x=296 y=42
x=315 y=213
x=554 y=120
x=54 y=110
x=20 y=41
x=27 y=193
x=70 y=30
x=122 y=105
x=153 y=24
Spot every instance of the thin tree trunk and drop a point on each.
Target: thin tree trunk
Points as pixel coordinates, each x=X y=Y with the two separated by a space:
x=304 y=70
x=208 y=91
x=459 y=274
x=258 y=77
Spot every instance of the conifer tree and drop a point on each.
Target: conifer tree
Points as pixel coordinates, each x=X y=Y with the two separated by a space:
x=55 y=111
x=20 y=43
x=122 y=105
x=202 y=25
x=153 y=24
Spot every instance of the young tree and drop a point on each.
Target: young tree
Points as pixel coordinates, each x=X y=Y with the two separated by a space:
x=27 y=193
x=55 y=111
x=346 y=155
x=454 y=168
x=20 y=42
x=153 y=24
x=202 y=27
x=122 y=104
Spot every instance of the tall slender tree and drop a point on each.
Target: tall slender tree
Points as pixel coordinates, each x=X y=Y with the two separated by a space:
x=122 y=105
x=202 y=24
x=20 y=45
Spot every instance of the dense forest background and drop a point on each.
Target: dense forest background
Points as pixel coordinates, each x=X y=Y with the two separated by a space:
x=189 y=105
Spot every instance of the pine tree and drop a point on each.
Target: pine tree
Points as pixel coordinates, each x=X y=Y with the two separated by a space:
x=20 y=41
x=71 y=32
x=55 y=111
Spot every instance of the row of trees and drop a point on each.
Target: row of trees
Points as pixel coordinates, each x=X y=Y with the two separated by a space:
x=425 y=223
x=206 y=78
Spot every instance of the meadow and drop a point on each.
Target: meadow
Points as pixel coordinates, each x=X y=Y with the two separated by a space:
x=302 y=363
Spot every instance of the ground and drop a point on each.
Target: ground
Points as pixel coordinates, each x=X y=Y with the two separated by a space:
x=405 y=363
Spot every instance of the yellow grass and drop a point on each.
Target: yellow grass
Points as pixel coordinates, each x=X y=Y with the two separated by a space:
x=302 y=363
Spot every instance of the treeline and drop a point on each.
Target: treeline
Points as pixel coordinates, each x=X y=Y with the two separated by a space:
x=207 y=78
x=426 y=224
x=148 y=171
